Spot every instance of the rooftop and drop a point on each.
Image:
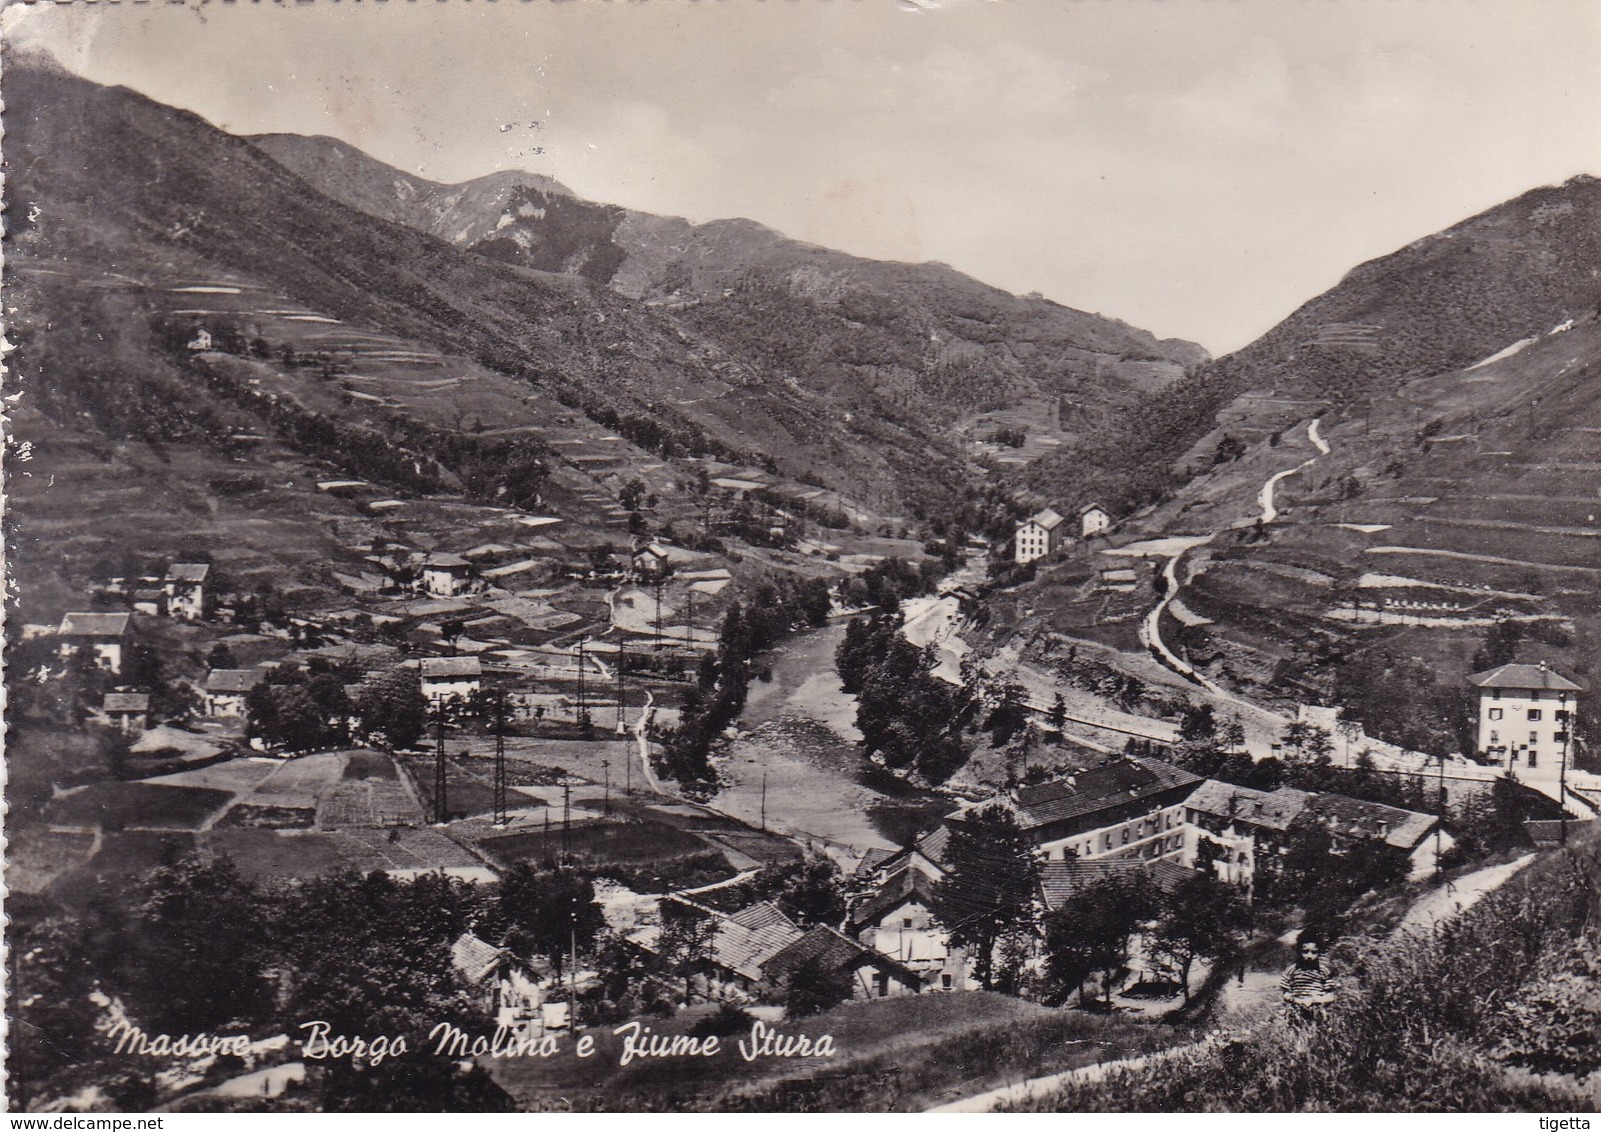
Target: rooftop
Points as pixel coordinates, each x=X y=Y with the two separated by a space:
x=233 y=679
x=1060 y=880
x=125 y=701
x=94 y=624
x=440 y=667
x=1403 y=829
x=1267 y=809
x=1524 y=676
x=830 y=950
x=1100 y=788
x=474 y=958
x=188 y=571
x=1047 y=518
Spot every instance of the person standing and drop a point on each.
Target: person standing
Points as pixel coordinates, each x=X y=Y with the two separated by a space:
x=1306 y=983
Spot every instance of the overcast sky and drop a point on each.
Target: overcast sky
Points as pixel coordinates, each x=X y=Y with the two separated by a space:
x=1195 y=167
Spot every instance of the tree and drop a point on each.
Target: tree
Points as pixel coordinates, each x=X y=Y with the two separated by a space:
x=990 y=890
x=813 y=987
x=394 y=709
x=548 y=913
x=1198 y=722
x=1092 y=931
x=194 y=959
x=1202 y=918
x=685 y=943
x=1057 y=717
x=809 y=891
x=631 y=495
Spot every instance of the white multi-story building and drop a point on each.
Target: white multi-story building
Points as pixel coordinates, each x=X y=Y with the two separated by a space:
x=1037 y=537
x=1093 y=519
x=1526 y=717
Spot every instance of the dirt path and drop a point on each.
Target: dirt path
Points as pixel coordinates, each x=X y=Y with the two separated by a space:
x=1459 y=895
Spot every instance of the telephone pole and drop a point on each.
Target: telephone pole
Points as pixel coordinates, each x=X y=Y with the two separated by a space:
x=497 y=705
x=605 y=766
x=566 y=820
x=764 y=801
x=441 y=812
x=622 y=658
x=583 y=706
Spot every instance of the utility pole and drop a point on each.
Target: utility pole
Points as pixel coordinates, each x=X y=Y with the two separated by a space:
x=441 y=812
x=566 y=819
x=660 y=580
x=689 y=627
x=1562 y=775
x=583 y=707
x=497 y=705
x=1439 y=828
x=605 y=766
x=622 y=660
x=764 y=801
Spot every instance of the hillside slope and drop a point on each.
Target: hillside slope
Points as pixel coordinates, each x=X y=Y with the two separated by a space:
x=143 y=198
x=920 y=339
x=1440 y=303
x=1457 y=386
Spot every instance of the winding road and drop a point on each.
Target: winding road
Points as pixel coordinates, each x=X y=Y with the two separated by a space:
x=1150 y=631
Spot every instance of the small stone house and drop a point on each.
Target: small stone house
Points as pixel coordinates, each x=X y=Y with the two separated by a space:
x=507 y=989
x=128 y=712
x=446 y=678
x=446 y=575
x=185 y=586
x=226 y=689
x=873 y=974
x=104 y=634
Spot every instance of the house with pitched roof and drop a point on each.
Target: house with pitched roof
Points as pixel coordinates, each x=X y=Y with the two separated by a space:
x=128 y=712
x=1133 y=807
x=105 y=635
x=226 y=689
x=1349 y=820
x=651 y=562
x=1093 y=519
x=873 y=974
x=445 y=575
x=1527 y=714
x=1228 y=827
x=737 y=946
x=449 y=677
x=185 y=587
x=1038 y=536
x=508 y=990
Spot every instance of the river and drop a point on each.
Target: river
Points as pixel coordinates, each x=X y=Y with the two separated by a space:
x=798 y=735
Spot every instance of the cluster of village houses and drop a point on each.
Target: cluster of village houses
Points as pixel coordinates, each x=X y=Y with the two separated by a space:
x=184 y=592
x=1132 y=815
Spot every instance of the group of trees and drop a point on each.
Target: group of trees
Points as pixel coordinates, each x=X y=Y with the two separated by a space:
x=196 y=947
x=307 y=708
x=776 y=608
x=907 y=715
x=887 y=583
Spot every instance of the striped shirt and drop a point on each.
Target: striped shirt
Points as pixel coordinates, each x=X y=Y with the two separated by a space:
x=1300 y=983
